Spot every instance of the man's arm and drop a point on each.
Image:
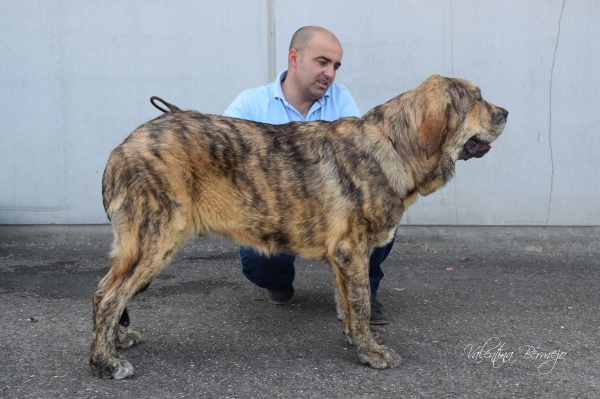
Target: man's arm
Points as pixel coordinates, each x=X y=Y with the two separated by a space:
x=349 y=107
x=240 y=108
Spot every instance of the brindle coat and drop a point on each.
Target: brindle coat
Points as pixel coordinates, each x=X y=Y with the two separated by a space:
x=329 y=191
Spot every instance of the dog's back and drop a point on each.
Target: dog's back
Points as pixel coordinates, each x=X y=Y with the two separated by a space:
x=275 y=187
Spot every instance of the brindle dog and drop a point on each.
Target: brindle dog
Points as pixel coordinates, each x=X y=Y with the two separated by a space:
x=329 y=191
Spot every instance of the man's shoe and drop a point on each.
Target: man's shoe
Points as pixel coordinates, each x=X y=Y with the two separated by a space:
x=379 y=315
x=282 y=296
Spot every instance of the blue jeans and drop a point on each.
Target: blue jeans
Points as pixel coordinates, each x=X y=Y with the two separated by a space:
x=278 y=271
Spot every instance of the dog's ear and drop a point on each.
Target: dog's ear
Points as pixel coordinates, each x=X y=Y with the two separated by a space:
x=436 y=112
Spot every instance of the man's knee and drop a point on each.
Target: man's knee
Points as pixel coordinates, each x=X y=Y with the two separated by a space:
x=267 y=272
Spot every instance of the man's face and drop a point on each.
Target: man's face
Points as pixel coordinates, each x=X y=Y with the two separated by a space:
x=317 y=65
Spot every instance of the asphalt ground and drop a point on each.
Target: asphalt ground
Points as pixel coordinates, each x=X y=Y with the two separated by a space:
x=469 y=322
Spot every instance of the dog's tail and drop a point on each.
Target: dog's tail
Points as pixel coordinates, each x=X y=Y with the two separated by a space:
x=172 y=109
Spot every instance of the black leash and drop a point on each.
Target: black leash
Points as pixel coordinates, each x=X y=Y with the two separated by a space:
x=172 y=108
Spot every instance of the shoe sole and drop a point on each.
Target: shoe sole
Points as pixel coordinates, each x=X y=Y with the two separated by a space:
x=379 y=322
x=281 y=302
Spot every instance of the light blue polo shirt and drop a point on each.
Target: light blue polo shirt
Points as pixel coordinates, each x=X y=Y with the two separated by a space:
x=267 y=104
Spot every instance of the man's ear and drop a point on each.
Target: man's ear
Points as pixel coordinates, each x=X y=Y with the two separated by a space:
x=433 y=128
x=293 y=57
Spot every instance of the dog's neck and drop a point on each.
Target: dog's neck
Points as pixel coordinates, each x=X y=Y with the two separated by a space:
x=423 y=177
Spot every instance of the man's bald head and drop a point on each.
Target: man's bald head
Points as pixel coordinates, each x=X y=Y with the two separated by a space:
x=314 y=57
x=304 y=35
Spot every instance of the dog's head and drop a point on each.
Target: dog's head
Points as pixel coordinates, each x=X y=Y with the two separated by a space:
x=454 y=120
x=436 y=124
x=451 y=122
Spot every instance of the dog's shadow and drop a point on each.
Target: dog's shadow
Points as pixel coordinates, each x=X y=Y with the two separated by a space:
x=242 y=327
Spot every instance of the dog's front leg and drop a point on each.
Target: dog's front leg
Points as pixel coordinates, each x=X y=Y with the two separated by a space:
x=350 y=267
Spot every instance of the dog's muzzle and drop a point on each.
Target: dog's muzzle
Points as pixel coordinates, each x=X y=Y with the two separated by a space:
x=475 y=148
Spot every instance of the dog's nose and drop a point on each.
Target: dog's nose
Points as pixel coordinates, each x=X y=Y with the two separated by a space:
x=504 y=112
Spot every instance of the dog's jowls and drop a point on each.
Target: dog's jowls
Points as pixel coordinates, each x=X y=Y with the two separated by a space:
x=329 y=191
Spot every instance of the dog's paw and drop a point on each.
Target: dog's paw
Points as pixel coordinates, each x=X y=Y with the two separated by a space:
x=111 y=368
x=379 y=357
x=123 y=369
x=347 y=335
x=126 y=337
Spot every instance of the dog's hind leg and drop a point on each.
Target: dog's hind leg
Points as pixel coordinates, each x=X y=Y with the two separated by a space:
x=136 y=259
x=350 y=264
x=109 y=302
x=339 y=304
x=126 y=337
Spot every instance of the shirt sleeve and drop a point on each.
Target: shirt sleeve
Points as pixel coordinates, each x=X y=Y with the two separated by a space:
x=349 y=107
x=240 y=107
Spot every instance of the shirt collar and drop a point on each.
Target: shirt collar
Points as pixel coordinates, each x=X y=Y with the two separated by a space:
x=278 y=91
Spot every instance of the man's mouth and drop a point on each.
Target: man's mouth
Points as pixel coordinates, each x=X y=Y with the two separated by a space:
x=323 y=83
x=475 y=148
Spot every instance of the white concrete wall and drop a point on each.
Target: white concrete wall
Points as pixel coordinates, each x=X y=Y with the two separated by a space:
x=76 y=76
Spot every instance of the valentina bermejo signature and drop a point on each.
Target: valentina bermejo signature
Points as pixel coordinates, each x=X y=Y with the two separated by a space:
x=493 y=350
